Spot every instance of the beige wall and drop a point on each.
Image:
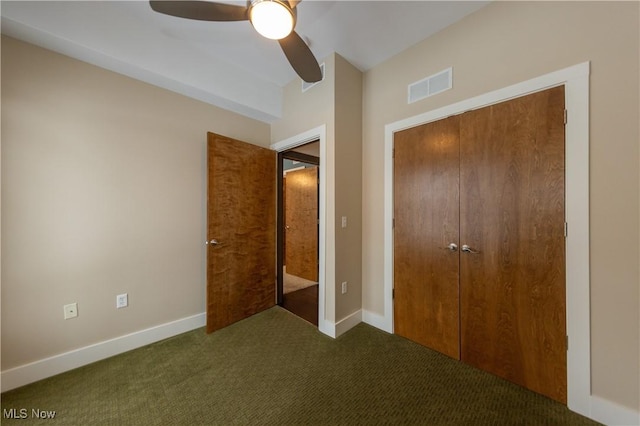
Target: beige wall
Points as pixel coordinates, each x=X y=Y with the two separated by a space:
x=306 y=110
x=348 y=194
x=506 y=43
x=103 y=192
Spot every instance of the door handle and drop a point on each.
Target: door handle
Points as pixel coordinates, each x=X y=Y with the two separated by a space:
x=467 y=249
x=453 y=247
x=213 y=242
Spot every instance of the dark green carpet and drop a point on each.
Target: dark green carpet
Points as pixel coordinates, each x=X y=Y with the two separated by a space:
x=275 y=368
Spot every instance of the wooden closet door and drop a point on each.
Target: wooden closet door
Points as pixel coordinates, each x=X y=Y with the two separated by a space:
x=513 y=320
x=426 y=213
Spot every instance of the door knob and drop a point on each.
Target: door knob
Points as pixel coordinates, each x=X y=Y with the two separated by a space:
x=467 y=249
x=453 y=247
x=213 y=242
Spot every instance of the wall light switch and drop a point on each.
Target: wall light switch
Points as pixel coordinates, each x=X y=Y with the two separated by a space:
x=344 y=221
x=122 y=300
x=70 y=310
x=344 y=287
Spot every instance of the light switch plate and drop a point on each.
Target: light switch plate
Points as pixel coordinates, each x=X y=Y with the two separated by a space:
x=70 y=310
x=122 y=300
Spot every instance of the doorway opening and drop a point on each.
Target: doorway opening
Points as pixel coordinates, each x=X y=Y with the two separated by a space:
x=298 y=230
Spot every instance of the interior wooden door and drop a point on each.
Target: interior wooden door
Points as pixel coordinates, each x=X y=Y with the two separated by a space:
x=512 y=214
x=426 y=214
x=241 y=216
x=301 y=223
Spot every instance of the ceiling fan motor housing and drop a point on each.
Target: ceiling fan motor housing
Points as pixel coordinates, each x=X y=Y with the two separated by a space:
x=274 y=19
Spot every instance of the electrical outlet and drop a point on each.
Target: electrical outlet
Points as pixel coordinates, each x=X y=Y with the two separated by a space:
x=344 y=287
x=70 y=310
x=344 y=221
x=122 y=300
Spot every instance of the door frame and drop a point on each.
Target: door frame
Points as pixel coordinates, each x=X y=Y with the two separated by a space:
x=576 y=82
x=318 y=133
x=309 y=159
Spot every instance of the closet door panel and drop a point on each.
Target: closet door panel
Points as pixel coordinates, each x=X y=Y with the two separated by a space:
x=426 y=213
x=513 y=318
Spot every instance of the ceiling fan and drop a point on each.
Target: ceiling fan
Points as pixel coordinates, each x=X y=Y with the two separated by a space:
x=274 y=19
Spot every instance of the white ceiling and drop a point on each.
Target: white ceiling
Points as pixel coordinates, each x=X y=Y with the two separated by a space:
x=226 y=64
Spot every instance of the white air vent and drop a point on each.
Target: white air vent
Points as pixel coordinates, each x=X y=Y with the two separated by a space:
x=306 y=86
x=431 y=85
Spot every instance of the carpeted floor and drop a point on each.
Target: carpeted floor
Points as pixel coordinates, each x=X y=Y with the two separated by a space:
x=276 y=369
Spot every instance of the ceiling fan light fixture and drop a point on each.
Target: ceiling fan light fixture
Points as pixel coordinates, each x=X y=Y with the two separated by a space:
x=272 y=18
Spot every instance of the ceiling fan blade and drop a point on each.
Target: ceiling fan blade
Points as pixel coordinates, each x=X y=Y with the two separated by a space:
x=201 y=10
x=301 y=58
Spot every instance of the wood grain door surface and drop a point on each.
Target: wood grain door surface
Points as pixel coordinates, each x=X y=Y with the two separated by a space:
x=511 y=292
x=426 y=182
x=512 y=212
x=241 y=217
x=301 y=217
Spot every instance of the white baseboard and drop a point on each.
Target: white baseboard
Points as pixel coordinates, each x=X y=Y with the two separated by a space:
x=327 y=327
x=334 y=330
x=377 y=321
x=41 y=369
x=348 y=323
x=610 y=413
